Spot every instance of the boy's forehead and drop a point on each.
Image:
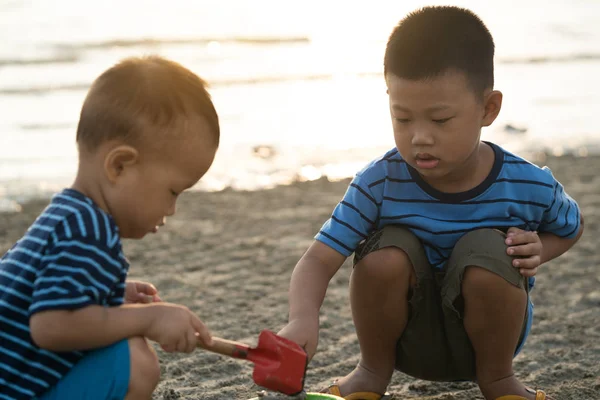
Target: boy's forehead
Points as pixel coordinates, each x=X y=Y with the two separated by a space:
x=437 y=93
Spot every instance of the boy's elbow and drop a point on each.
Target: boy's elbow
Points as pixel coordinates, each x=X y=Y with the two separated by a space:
x=47 y=330
x=581 y=227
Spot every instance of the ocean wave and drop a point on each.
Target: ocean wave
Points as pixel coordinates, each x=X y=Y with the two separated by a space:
x=57 y=59
x=565 y=58
x=39 y=127
x=153 y=42
x=35 y=90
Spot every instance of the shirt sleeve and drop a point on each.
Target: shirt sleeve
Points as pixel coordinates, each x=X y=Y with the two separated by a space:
x=117 y=296
x=352 y=219
x=562 y=217
x=76 y=272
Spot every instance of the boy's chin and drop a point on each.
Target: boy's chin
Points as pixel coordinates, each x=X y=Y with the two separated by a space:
x=136 y=235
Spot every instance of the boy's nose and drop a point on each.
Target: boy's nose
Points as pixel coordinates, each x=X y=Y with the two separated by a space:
x=422 y=137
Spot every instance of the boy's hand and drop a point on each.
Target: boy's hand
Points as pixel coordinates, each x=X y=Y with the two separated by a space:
x=176 y=328
x=140 y=292
x=305 y=332
x=527 y=247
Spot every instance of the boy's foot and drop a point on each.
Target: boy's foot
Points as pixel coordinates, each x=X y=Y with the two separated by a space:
x=360 y=380
x=510 y=388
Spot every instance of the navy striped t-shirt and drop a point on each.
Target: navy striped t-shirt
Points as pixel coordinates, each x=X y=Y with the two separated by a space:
x=69 y=258
x=388 y=191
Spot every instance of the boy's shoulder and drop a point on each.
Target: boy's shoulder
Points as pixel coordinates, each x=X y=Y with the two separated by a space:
x=517 y=167
x=73 y=216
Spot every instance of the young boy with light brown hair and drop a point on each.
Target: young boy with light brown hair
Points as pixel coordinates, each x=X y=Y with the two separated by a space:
x=71 y=325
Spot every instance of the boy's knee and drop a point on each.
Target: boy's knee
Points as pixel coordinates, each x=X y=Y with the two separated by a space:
x=480 y=278
x=481 y=281
x=385 y=264
x=144 y=369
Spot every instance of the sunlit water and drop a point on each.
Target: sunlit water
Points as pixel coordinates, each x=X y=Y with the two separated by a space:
x=298 y=85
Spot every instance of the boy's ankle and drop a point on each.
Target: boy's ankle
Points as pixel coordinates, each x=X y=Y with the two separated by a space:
x=363 y=379
x=509 y=385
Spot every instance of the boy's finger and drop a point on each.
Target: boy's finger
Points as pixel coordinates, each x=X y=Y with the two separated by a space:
x=191 y=341
x=146 y=288
x=513 y=231
x=528 y=272
x=521 y=238
x=523 y=250
x=203 y=333
x=182 y=345
x=527 y=263
x=143 y=298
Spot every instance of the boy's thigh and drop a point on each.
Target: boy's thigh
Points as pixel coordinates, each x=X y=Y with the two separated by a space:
x=102 y=374
x=483 y=248
x=422 y=350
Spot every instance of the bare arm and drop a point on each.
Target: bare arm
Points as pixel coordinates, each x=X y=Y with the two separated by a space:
x=553 y=246
x=310 y=279
x=89 y=327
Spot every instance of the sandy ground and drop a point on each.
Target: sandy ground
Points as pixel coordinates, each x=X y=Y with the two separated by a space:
x=229 y=255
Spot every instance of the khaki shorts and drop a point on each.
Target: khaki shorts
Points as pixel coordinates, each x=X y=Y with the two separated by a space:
x=434 y=345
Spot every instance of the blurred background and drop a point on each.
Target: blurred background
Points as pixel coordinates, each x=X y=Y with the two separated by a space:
x=298 y=85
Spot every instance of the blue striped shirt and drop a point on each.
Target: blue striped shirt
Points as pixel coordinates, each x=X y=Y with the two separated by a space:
x=69 y=258
x=388 y=191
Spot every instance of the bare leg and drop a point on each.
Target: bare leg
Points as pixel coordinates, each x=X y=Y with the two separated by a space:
x=493 y=318
x=145 y=370
x=379 y=299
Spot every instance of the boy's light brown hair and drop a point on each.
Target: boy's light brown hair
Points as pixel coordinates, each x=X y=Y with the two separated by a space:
x=144 y=98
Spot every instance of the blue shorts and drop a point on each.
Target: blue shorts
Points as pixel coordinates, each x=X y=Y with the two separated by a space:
x=103 y=374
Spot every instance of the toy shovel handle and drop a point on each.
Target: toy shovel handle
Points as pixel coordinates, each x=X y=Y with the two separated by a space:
x=227 y=348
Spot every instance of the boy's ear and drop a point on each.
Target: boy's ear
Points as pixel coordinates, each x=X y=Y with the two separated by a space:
x=492 y=104
x=118 y=160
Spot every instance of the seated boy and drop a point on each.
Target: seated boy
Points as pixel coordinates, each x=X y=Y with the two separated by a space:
x=71 y=325
x=448 y=231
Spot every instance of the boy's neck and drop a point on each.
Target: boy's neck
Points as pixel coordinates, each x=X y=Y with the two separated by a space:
x=88 y=185
x=470 y=175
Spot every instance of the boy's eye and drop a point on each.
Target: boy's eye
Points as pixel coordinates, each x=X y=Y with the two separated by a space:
x=402 y=120
x=442 y=120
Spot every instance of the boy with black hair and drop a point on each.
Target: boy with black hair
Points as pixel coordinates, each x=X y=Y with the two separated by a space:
x=448 y=231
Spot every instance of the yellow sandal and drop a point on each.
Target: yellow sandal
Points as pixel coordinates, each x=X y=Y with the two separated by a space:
x=335 y=390
x=539 y=395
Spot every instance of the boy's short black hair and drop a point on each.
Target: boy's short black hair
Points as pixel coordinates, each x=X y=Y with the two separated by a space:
x=432 y=40
x=142 y=96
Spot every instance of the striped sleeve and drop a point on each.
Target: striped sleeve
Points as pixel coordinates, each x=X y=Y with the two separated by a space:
x=117 y=296
x=74 y=273
x=352 y=219
x=562 y=217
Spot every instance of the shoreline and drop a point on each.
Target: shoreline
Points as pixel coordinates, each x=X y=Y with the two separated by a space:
x=16 y=202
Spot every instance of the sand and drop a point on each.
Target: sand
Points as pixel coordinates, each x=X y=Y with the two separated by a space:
x=229 y=255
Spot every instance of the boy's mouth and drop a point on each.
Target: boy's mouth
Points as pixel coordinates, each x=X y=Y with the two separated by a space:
x=426 y=161
x=157 y=227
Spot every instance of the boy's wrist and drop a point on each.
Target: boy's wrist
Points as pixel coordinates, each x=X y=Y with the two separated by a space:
x=304 y=314
x=144 y=314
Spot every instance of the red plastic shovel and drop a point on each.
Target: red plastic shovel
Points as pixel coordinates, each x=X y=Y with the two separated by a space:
x=279 y=364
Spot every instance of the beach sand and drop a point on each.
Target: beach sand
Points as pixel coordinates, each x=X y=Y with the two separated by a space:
x=229 y=255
